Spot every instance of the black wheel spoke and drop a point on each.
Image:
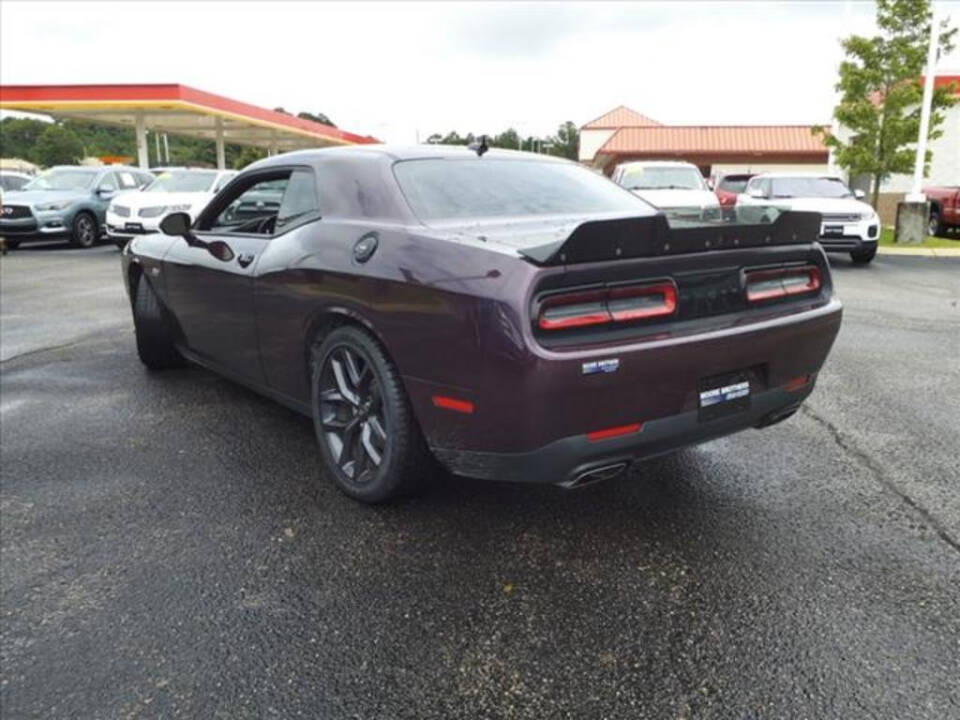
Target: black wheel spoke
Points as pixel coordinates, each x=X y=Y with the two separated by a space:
x=367 y=439
x=346 y=389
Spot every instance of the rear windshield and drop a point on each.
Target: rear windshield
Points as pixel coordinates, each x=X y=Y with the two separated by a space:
x=451 y=189
x=661 y=177
x=806 y=187
x=734 y=183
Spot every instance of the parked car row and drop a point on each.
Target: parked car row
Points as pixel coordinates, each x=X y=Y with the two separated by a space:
x=847 y=223
x=68 y=202
x=82 y=204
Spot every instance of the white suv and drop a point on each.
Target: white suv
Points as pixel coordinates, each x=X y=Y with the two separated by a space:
x=673 y=186
x=848 y=224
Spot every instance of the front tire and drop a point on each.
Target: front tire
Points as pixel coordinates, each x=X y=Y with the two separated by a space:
x=84 y=231
x=369 y=440
x=154 y=339
x=864 y=255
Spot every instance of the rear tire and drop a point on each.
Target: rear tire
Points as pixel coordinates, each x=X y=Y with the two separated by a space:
x=862 y=257
x=369 y=439
x=154 y=339
x=84 y=231
x=935 y=227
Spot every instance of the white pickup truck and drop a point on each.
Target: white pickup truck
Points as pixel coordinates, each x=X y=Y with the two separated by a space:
x=673 y=186
x=847 y=225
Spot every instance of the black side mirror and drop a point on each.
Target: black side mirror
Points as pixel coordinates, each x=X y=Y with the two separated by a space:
x=177 y=223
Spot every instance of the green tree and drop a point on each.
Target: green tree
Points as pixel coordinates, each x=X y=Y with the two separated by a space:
x=58 y=146
x=507 y=139
x=247 y=155
x=881 y=92
x=316 y=117
x=566 y=141
x=18 y=137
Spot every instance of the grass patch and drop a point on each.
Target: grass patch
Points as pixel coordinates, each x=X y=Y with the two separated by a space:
x=886 y=238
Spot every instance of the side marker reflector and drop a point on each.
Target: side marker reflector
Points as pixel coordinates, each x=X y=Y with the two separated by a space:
x=449 y=403
x=796 y=383
x=614 y=432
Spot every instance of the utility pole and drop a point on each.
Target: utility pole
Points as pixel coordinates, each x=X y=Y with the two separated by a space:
x=916 y=192
x=912 y=212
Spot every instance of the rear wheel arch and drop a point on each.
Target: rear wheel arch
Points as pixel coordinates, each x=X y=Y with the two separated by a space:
x=329 y=319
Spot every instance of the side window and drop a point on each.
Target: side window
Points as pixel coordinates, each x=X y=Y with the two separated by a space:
x=108 y=182
x=253 y=210
x=144 y=179
x=765 y=186
x=299 y=201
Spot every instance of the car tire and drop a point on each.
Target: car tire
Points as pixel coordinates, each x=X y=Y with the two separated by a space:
x=154 y=338
x=84 y=231
x=369 y=439
x=863 y=256
x=935 y=226
x=11 y=244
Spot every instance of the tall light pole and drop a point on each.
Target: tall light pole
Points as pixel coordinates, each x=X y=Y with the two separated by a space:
x=916 y=192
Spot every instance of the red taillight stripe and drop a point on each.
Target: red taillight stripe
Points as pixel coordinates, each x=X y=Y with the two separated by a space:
x=449 y=403
x=608 y=305
x=614 y=432
x=768 y=284
x=796 y=383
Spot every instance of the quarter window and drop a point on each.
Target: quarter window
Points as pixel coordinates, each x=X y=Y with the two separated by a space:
x=299 y=200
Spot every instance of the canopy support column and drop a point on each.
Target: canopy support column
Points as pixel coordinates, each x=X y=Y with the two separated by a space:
x=221 y=154
x=143 y=156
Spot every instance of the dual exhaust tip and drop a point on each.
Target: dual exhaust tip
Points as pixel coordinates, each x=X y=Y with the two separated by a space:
x=594 y=476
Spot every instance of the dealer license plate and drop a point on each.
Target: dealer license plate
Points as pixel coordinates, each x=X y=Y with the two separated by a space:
x=137 y=227
x=722 y=395
x=833 y=230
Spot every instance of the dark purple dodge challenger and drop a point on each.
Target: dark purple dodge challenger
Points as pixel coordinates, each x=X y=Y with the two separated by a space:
x=512 y=316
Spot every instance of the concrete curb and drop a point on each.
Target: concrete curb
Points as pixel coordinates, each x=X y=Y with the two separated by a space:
x=919 y=252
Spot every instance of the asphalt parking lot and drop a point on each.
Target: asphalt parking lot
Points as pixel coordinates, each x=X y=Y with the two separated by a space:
x=167 y=550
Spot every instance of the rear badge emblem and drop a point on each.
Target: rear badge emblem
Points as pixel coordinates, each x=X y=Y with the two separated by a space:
x=601 y=366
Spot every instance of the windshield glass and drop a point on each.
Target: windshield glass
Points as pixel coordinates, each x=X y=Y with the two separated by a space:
x=662 y=178
x=450 y=189
x=734 y=183
x=183 y=181
x=67 y=179
x=804 y=187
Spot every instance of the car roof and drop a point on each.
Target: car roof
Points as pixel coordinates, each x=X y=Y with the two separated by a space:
x=804 y=174
x=657 y=163
x=399 y=152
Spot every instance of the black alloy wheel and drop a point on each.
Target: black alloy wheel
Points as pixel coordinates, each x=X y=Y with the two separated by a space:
x=352 y=415
x=84 y=230
x=370 y=441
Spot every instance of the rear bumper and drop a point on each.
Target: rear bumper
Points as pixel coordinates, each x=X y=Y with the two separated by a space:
x=533 y=420
x=562 y=461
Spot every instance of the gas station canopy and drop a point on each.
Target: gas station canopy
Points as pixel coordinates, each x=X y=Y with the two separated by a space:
x=179 y=110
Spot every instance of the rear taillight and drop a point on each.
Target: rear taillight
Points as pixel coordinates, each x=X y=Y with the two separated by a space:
x=608 y=305
x=781 y=282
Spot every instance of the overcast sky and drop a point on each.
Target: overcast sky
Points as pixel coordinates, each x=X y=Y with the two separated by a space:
x=394 y=69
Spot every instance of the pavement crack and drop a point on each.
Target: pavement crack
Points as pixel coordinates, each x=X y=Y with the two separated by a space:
x=50 y=348
x=880 y=476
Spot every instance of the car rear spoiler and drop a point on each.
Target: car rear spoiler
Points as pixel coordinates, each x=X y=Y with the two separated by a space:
x=630 y=237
